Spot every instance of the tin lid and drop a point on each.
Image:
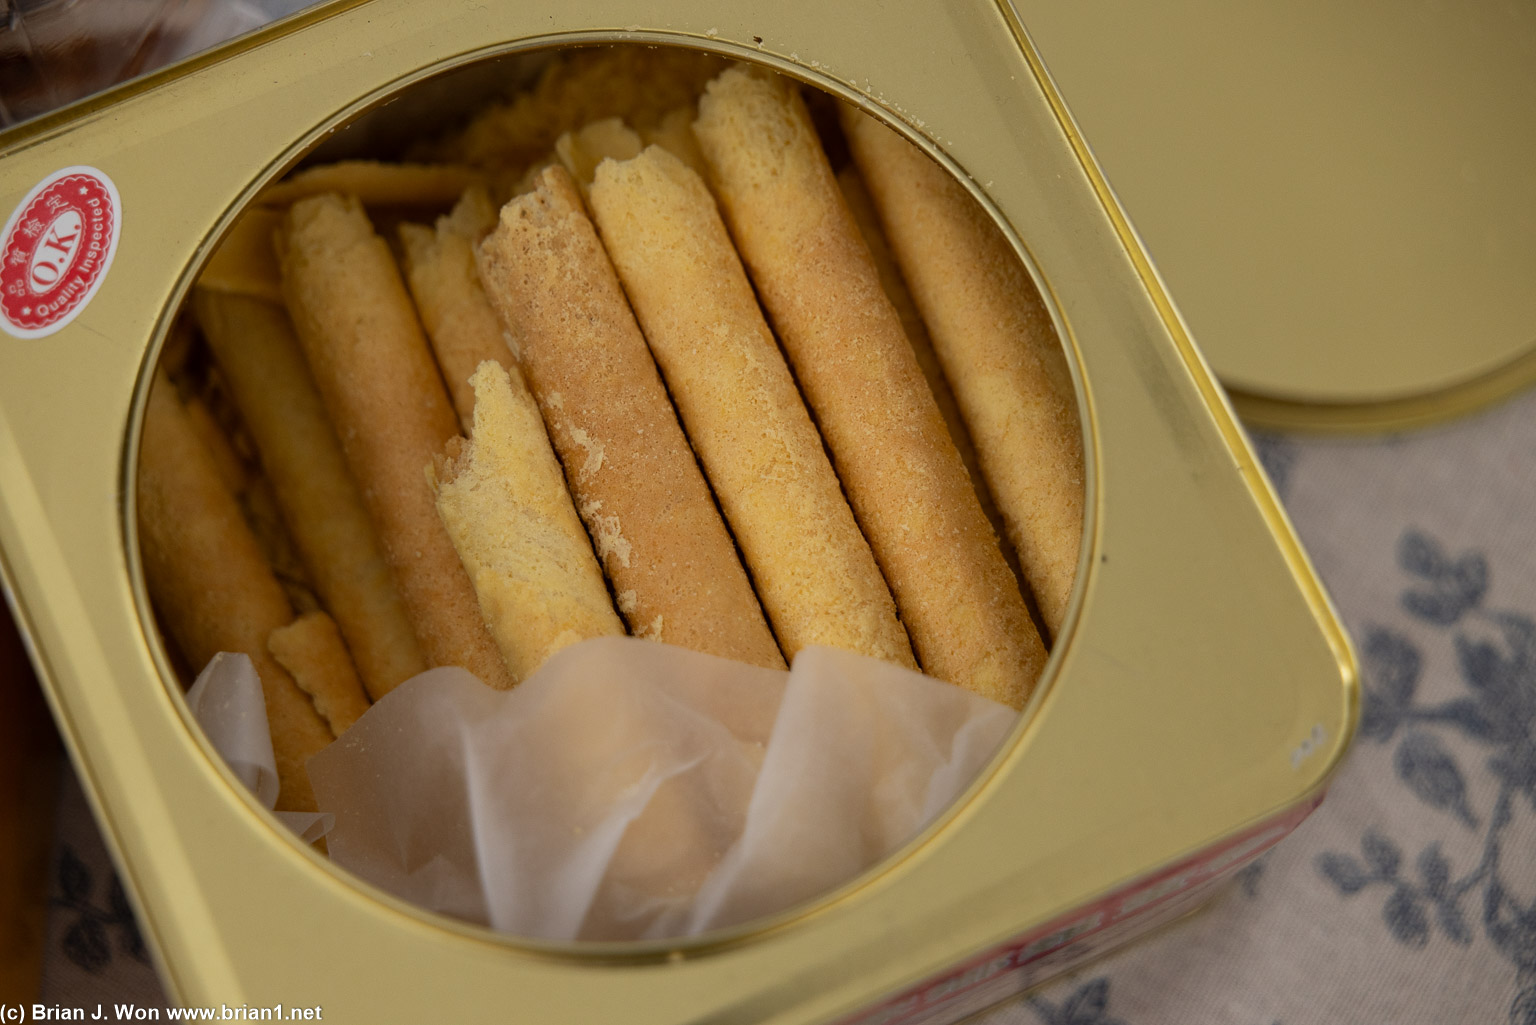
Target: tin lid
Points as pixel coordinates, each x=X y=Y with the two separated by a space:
x=1342 y=202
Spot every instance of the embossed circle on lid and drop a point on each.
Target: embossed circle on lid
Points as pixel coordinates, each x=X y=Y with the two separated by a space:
x=1341 y=202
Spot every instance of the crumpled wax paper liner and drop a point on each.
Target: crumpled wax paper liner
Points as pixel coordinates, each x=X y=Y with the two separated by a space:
x=227 y=702
x=630 y=789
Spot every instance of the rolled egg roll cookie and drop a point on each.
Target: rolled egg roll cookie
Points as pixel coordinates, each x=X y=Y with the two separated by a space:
x=581 y=85
x=244 y=262
x=383 y=393
x=313 y=652
x=904 y=479
x=440 y=268
x=637 y=486
x=252 y=491
x=862 y=207
x=999 y=350
x=260 y=507
x=210 y=585
x=260 y=356
x=503 y=498
x=812 y=567
x=376 y=183
x=674 y=133
x=582 y=150
x=529 y=179
x=231 y=468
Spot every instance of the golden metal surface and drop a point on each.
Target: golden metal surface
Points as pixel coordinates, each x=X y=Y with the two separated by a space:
x=1343 y=199
x=1393 y=414
x=1198 y=664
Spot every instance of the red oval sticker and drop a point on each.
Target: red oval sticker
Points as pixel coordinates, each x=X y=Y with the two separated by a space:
x=57 y=247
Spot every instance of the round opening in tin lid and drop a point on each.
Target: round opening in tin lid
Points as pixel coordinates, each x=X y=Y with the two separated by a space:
x=614 y=363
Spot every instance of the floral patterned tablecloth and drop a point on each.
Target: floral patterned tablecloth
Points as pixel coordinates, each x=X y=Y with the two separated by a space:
x=1408 y=897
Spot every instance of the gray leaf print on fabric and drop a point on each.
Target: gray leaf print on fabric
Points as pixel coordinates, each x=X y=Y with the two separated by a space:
x=1424 y=764
x=1524 y=1010
x=1391 y=663
x=1405 y=916
x=88 y=940
x=1495 y=657
x=1249 y=876
x=1434 y=870
x=1453 y=585
x=1517 y=768
x=1344 y=872
x=1381 y=854
x=1088 y=1005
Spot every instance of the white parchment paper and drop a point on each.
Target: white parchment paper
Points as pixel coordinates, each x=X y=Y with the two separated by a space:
x=630 y=789
x=227 y=702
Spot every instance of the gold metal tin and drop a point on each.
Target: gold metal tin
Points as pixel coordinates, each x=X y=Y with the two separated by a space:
x=1341 y=198
x=1201 y=689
